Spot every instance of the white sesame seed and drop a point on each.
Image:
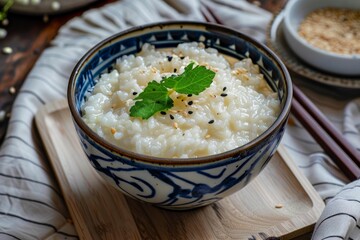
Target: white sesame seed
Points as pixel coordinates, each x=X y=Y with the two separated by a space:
x=5 y=22
x=3 y=33
x=7 y=50
x=279 y=206
x=2 y=115
x=55 y=5
x=45 y=18
x=12 y=90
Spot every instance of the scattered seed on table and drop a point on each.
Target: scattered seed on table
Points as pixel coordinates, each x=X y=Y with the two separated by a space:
x=190 y=112
x=190 y=103
x=45 y=18
x=257 y=3
x=7 y=50
x=163 y=113
x=55 y=5
x=223 y=94
x=169 y=58
x=12 y=90
x=279 y=206
x=224 y=88
x=171 y=117
x=211 y=121
x=135 y=93
x=5 y=22
x=2 y=115
x=3 y=33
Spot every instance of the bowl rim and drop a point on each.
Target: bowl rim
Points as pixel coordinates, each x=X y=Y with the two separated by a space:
x=282 y=117
x=291 y=30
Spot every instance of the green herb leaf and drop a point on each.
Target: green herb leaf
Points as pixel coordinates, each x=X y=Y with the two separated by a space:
x=5 y=9
x=193 y=80
x=153 y=99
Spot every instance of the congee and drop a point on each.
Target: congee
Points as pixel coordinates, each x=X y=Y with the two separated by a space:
x=236 y=107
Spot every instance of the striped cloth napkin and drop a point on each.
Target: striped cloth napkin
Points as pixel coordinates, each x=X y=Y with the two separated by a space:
x=31 y=204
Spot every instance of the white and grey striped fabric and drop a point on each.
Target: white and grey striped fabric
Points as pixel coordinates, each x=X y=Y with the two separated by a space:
x=31 y=204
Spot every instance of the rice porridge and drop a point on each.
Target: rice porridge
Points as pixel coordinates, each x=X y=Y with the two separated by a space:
x=237 y=107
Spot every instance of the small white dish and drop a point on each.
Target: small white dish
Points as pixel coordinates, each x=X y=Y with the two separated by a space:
x=294 y=13
x=275 y=39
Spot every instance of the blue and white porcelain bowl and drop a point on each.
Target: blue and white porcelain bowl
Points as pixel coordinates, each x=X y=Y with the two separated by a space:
x=178 y=183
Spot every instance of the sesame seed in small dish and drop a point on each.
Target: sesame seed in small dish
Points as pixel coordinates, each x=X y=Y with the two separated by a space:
x=325 y=34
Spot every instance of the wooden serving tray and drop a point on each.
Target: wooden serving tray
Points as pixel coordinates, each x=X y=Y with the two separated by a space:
x=279 y=202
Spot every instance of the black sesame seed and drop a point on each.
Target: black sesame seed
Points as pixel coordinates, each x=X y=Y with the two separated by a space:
x=134 y=93
x=163 y=113
x=189 y=95
x=169 y=58
x=171 y=117
x=211 y=121
x=223 y=94
x=182 y=58
x=190 y=103
x=224 y=88
x=175 y=70
x=190 y=112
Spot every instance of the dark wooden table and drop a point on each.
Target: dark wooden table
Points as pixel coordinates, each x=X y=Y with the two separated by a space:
x=28 y=36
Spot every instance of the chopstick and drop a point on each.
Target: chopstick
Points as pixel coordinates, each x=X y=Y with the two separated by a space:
x=327 y=125
x=312 y=123
x=346 y=157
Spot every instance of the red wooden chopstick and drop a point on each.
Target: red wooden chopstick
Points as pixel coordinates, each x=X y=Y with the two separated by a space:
x=325 y=140
x=327 y=125
x=346 y=157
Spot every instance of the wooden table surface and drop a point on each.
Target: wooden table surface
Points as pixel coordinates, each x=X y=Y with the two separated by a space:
x=28 y=36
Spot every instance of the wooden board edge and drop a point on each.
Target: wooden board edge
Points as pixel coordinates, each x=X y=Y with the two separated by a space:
x=318 y=204
x=40 y=122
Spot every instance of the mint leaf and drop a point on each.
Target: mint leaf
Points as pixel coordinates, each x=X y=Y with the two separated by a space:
x=191 y=81
x=153 y=99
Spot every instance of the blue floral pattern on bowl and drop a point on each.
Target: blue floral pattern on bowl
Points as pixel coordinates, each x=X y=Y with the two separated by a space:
x=178 y=183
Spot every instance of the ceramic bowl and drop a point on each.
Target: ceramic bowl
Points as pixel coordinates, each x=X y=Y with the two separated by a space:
x=294 y=13
x=178 y=183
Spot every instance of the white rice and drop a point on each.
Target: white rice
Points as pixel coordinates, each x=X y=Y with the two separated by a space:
x=248 y=109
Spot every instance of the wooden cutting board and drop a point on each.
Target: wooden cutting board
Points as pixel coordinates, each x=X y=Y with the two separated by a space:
x=279 y=202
